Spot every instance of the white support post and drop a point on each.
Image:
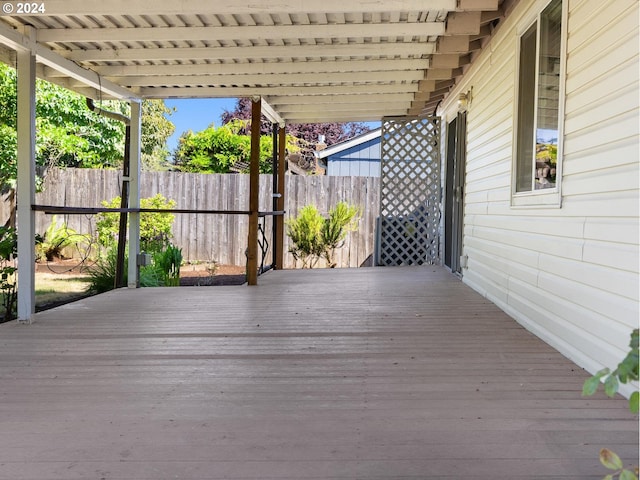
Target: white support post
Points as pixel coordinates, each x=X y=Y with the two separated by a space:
x=26 y=184
x=134 y=194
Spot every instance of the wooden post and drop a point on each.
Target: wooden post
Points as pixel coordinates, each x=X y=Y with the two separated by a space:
x=254 y=186
x=274 y=199
x=282 y=146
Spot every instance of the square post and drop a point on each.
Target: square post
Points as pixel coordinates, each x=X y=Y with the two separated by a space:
x=26 y=185
x=254 y=186
x=274 y=196
x=279 y=224
x=133 y=280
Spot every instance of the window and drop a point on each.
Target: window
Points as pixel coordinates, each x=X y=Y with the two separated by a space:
x=538 y=129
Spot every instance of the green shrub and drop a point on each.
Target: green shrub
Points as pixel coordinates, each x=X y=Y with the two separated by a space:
x=342 y=219
x=102 y=275
x=156 y=229
x=314 y=237
x=8 y=253
x=55 y=240
x=627 y=370
x=305 y=233
x=164 y=271
x=168 y=264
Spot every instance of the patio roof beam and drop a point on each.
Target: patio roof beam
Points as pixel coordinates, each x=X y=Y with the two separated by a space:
x=320 y=117
x=266 y=79
x=263 y=51
x=226 y=92
x=233 y=7
x=253 y=33
x=272 y=115
x=318 y=66
x=335 y=99
x=350 y=106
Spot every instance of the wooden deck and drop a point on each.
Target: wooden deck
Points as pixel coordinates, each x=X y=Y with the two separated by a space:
x=389 y=373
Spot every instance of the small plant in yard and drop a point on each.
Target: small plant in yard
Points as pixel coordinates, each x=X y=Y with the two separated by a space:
x=168 y=263
x=164 y=271
x=55 y=239
x=626 y=371
x=342 y=220
x=305 y=231
x=8 y=253
x=315 y=237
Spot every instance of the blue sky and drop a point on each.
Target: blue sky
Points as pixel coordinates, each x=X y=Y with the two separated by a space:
x=196 y=115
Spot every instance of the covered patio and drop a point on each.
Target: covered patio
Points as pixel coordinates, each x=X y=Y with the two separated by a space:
x=345 y=374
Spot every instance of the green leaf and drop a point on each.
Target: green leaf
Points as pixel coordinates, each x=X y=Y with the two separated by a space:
x=627 y=475
x=611 y=385
x=633 y=402
x=590 y=386
x=608 y=477
x=610 y=460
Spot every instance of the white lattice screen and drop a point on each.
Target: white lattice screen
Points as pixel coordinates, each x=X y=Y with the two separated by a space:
x=410 y=192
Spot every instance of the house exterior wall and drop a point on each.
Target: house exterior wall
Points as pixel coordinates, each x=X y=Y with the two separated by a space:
x=360 y=160
x=567 y=272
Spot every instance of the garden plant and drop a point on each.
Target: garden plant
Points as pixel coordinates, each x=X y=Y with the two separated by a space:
x=315 y=237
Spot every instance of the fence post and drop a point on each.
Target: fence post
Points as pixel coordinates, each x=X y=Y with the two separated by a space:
x=254 y=187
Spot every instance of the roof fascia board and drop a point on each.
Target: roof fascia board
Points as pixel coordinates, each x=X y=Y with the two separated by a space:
x=339 y=147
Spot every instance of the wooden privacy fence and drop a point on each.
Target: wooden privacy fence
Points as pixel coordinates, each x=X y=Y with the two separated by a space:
x=210 y=237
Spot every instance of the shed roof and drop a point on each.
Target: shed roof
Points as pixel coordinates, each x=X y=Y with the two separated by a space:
x=311 y=61
x=350 y=143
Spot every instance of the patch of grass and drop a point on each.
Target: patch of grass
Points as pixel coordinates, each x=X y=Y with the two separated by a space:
x=52 y=288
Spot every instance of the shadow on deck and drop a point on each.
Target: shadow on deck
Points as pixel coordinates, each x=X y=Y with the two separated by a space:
x=376 y=373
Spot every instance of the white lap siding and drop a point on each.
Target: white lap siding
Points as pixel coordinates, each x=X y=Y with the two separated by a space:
x=569 y=274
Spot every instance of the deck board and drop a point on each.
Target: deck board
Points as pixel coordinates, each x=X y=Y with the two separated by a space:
x=390 y=373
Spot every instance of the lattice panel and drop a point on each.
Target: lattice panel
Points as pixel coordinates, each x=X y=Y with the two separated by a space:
x=410 y=192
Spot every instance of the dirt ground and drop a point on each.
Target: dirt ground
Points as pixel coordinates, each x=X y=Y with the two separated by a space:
x=201 y=275
x=190 y=275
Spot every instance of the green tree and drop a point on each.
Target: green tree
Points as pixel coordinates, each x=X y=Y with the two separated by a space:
x=69 y=134
x=156 y=129
x=220 y=150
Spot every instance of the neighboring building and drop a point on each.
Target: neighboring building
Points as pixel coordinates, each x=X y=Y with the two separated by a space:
x=550 y=223
x=358 y=156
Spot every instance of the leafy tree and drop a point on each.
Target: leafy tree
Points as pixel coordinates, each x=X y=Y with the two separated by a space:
x=156 y=129
x=221 y=150
x=309 y=132
x=69 y=134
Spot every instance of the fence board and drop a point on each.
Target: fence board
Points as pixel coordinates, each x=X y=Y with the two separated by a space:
x=221 y=238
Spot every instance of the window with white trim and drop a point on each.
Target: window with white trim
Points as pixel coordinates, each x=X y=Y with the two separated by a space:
x=538 y=129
